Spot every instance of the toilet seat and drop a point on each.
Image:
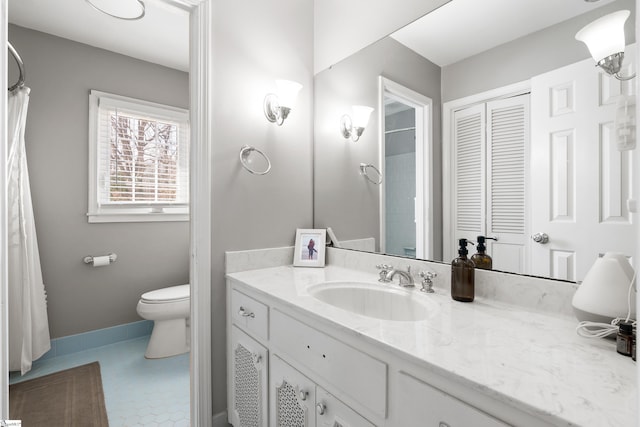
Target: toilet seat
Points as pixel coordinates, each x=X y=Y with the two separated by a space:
x=166 y=295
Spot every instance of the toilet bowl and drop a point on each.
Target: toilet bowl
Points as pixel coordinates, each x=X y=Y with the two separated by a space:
x=169 y=309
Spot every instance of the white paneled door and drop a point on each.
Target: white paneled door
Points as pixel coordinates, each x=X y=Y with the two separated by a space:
x=581 y=183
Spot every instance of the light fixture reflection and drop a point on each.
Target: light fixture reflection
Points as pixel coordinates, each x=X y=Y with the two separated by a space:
x=353 y=126
x=128 y=10
x=277 y=106
x=604 y=38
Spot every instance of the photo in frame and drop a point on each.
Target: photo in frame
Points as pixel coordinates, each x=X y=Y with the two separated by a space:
x=310 y=247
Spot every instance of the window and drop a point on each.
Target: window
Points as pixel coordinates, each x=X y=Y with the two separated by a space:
x=138 y=160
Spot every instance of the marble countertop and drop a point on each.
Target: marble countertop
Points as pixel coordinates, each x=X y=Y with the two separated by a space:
x=532 y=361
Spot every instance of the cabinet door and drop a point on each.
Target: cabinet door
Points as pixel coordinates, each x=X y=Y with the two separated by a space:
x=330 y=412
x=292 y=397
x=417 y=404
x=248 y=381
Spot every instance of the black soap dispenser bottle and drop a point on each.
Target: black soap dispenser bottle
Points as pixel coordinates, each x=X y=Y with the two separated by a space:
x=463 y=275
x=480 y=258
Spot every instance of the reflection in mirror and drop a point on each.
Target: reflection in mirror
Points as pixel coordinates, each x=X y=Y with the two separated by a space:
x=484 y=61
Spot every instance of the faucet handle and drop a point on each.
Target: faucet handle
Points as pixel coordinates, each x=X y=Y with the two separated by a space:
x=427 y=283
x=384 y=269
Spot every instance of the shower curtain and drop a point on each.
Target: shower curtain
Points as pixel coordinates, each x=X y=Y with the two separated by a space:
x=28 y=324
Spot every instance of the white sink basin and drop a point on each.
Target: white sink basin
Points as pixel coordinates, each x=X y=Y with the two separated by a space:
x=386 y=302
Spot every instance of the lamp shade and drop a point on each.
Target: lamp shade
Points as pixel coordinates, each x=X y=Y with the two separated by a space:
x=361 y=114
x=287 y=92
x=604 y=293
x=605 y=35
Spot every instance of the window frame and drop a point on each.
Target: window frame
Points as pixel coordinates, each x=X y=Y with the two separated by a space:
x=104 y=213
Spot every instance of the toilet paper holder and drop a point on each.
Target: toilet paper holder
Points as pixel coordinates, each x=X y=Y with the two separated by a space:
x=89 y=259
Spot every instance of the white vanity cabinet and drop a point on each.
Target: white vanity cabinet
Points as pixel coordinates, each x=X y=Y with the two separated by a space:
x=248 y=381
x=296 y=401
x=247 y=361
x=419 y=404
x=321 y=375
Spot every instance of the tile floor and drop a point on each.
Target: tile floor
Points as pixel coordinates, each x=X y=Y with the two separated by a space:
x=138 y=391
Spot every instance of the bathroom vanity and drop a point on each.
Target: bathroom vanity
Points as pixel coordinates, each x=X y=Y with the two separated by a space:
x=334 y=347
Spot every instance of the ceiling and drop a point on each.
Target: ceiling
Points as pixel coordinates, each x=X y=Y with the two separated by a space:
x=469 y=27
x=160 y=37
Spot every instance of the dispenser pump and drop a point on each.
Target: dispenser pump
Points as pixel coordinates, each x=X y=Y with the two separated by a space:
x=463 y=247
x=463 y=275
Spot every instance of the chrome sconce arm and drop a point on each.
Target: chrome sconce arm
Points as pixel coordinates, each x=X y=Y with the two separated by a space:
x=612 y=64
x=278 y=106
x=348 y=130
x=273 y=111
x=352 y=128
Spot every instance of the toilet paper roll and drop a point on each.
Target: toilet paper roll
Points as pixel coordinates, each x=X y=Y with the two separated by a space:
x=100 y=261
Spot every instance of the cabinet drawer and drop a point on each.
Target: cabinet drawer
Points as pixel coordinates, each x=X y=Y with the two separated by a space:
x=356 y=374
x=419 y=404
x=250 y=315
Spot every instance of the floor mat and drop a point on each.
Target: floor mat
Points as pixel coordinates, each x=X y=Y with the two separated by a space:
x=73 y=397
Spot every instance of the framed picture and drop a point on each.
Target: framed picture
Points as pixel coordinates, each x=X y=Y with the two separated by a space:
x=310 y=247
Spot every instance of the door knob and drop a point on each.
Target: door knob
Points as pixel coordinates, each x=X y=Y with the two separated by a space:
x=541 y=238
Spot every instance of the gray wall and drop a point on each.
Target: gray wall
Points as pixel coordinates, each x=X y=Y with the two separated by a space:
x=256 y=42
x=80 y=298
x=343 y=199
x=521 y=59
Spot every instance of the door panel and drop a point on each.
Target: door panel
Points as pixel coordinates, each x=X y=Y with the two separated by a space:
x=581 y=182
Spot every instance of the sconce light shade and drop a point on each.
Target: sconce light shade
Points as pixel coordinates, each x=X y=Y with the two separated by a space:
x=604 y=38
x=352 y=127
x=278 y=106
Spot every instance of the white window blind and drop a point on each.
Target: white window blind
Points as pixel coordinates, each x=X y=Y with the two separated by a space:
x=139 y=159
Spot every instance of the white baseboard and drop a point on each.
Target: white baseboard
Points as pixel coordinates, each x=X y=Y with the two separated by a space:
x=220 y=420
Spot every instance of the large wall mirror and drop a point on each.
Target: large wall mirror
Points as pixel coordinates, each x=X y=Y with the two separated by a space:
x=438 y=159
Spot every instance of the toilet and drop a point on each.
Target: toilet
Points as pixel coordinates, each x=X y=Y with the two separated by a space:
x=169 y=309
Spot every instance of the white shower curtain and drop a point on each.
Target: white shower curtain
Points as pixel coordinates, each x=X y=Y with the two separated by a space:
x=28 y=324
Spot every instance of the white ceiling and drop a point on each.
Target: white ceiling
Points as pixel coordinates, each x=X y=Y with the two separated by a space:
x=463 y=28
x=161 y=36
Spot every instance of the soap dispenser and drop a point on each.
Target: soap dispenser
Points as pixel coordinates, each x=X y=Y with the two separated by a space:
x=463 y=275
x=480 y=258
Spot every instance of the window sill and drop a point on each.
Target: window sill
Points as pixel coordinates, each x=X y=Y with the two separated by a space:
x=137 y=217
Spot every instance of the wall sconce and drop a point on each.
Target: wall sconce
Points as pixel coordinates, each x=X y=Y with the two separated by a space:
x=352 y=127
x=605 y=39
x=278 y=106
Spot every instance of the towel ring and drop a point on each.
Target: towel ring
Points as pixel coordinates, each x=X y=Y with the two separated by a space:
x=365 y=173
x=245 y=152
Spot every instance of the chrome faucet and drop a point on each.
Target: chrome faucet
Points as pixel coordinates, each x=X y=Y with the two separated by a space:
x=384 y=270
x=406 y=279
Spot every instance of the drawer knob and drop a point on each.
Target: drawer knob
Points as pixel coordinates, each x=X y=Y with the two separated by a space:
x=302 y=395
x=443 y=424
x=256 y=358
x=244 y=313
x=321 y=408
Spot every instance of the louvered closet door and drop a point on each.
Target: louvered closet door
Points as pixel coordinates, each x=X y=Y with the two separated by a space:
x=468 y=176
x=507 y=142
x=581 y=181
